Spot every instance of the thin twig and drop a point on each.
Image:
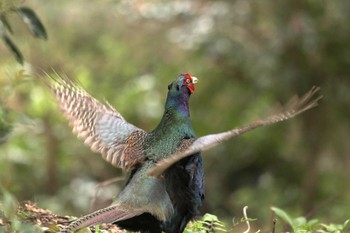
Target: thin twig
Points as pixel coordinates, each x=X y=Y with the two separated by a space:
x=274 y=225
x=247 y=220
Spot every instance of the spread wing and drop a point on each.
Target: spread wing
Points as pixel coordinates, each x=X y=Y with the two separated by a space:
x=100 y=126
x=294 y=107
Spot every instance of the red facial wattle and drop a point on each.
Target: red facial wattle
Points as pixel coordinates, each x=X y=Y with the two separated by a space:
x=189 y=82
x=191 y=87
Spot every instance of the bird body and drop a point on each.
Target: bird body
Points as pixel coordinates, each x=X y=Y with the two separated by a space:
x=165 y=188
x=147 y=203
x=174 y=199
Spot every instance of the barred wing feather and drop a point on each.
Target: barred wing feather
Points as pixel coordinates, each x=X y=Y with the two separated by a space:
x=100 y=126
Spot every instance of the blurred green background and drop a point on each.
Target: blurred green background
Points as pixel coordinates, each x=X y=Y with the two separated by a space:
x=248 y=56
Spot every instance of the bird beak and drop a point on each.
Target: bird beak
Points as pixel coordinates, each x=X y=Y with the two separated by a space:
x=190 y=86
x=194 y=80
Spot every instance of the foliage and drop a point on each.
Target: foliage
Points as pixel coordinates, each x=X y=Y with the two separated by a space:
x=208 y=223
x=28 y=16
x=5 y=126
x=302 y=225
x=27 y=217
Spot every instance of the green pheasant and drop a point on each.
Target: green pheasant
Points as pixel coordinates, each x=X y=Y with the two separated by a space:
x=165 y=188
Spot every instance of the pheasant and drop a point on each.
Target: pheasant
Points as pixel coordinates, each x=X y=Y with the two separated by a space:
x=165 y=187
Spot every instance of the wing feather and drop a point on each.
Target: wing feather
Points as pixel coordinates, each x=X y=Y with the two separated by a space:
x=100 y=126
x=294 y=107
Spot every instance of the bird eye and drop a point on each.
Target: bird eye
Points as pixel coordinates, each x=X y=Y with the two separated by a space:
x=188 y=80
x=169 y=86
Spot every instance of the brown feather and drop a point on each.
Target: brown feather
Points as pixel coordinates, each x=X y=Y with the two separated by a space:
x=100 y=126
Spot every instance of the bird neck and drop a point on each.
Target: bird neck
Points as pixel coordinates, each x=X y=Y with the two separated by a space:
x=174 y=126
x=176 y=113
x=179 y=104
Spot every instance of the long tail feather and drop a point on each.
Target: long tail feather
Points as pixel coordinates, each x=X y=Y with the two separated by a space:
x=107 y=215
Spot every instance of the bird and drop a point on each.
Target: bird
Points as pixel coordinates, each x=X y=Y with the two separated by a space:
x=165 y=186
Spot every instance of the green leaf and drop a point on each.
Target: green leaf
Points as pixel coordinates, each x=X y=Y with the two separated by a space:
x=13 y=48
x=5 y=126
x=299 y=221
x=284 y=216
x=210 y=217
x=31 y=19
x=5 y=23
x=11 y=45
x=208 y=223
x=8 y=204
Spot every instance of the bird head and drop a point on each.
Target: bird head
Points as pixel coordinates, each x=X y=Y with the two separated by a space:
x=184 y=80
